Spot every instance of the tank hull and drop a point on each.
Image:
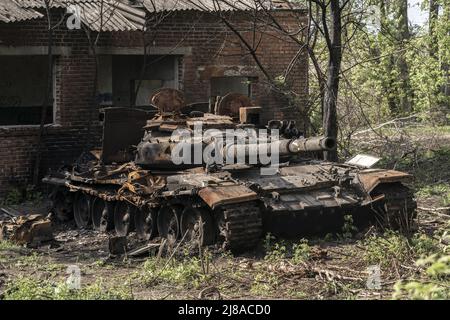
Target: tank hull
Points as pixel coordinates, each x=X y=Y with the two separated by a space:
x=239 y=205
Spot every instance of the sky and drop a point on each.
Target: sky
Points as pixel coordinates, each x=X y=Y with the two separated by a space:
x=416 y=15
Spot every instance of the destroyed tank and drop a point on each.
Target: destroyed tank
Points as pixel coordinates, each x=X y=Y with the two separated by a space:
x=190 y=175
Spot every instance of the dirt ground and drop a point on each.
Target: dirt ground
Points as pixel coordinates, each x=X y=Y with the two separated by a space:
x=333 y=267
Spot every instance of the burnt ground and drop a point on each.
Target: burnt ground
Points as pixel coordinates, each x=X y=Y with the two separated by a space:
x=332 y=267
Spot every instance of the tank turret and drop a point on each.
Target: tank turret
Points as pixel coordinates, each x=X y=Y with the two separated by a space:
x=197 y=173
x=195 y=152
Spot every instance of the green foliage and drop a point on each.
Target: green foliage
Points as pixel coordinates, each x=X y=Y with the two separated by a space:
x=264 y=284
x=8 y=245
x=387 y=72
x=441 y=190
x=277 y=252
x=348 y=229
x=20 y=195
x=437 y=286
x=185 y=272
x=14 y=196
x=297 y=252
x=301 y=251
x=393 y=248
x=27 y=288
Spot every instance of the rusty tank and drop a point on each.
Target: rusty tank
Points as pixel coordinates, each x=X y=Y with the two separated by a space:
x=201 y=173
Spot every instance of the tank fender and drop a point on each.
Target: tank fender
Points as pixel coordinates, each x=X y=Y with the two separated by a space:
x=370 y=179
x=223 y=195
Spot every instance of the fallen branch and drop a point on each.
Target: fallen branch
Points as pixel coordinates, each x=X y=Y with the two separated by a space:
x=393 y=121
x=437 y=211
x=434 y=209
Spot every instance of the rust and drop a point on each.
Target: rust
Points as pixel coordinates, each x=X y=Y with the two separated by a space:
x=231 y=104
x=168 y=100
x=134 y=180
x=30 y=230
x=370 y=179
x=216 y=196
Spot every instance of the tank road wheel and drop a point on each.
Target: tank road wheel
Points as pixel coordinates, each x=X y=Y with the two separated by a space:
x=145 y=223
x=398 y=208
x=102 y=215
x=81 y=210
x=63 y=204
x=123 y=218
x=168 y=223
x=198 y=225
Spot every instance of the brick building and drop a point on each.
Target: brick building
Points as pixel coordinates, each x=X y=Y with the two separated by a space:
x=189 y=48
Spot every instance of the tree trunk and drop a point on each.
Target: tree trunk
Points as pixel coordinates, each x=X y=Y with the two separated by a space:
x=334 y=66
x=432 y=21
x=388 y=64
x=403 y=37
x=48 y=98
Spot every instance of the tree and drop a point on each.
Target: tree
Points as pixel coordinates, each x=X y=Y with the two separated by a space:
x=48 y=97
x=325 y=24
x=333 y=40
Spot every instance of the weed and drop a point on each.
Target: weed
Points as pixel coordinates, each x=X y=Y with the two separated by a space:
x=436 y=286
x=34 y=261
x=441 y=190
x=264 y=284
x=348 y=229
x=185 y=272
x=268 y=242
x=8 y=245
x=26 y=288
x=301 y=251
x=277 y=252
x=13 y=197
x=18 y=195
x=394 y=247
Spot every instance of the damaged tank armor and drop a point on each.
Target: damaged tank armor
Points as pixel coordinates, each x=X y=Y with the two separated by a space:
x=133 y=184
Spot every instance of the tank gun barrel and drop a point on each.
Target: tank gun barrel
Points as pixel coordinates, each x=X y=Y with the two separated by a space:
x=284 y=147
x=312 y=144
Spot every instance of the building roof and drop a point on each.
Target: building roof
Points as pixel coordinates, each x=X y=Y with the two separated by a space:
x=106 y=15
x=217 y=5
x=10 y=11
x=129 y=15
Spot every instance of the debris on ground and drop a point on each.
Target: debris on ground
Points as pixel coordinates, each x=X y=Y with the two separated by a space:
x=31 y=230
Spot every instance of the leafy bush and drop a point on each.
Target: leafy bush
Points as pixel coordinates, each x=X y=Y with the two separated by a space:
x=393 y=247
x=437 y=286
x=301 y=251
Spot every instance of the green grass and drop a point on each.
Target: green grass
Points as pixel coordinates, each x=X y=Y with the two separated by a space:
x=393 y=248
x=27 y=288
x=264 y=284
x=277 y=251
x=440 y=190
x=186 y=272
x=435 y=286
x=6 y=245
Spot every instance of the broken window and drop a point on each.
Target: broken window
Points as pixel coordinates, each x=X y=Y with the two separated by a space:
x=221 y=86
x=122 y=76
x=23 y=84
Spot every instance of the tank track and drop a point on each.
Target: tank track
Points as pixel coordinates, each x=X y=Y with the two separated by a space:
x=240 y=226
x=398 y=209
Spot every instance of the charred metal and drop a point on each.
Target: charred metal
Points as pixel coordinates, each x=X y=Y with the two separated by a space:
x=132 y=183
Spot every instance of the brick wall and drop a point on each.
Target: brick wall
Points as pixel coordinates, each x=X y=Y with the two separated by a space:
x=213 y=51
